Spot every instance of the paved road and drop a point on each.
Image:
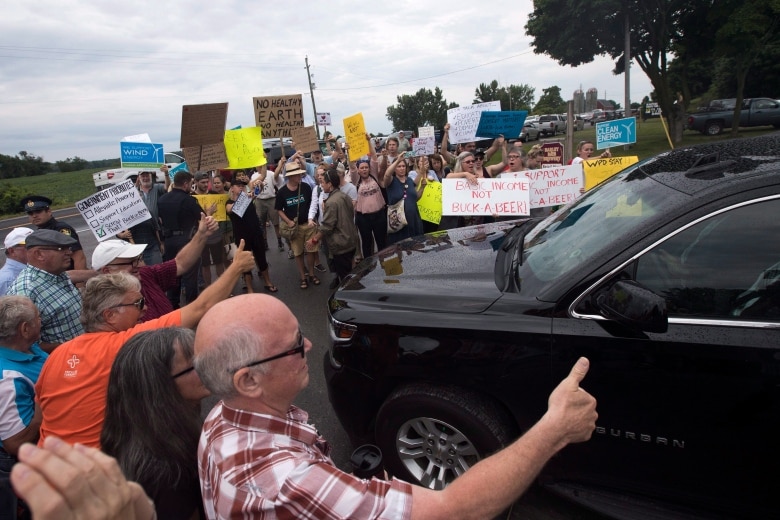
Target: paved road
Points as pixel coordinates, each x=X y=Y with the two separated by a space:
x=310 y=308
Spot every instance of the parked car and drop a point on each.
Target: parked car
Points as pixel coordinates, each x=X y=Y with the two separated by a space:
x=552 y=124
x=755 y=112
x=530 y=132
x=666 y=276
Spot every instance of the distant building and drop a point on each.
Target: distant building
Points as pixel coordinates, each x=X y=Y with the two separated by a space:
x=591 y=98
x=579 y=101
x=603 y=104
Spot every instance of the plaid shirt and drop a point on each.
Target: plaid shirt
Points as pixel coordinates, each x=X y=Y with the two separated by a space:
x=57 y=299
x=260 y=466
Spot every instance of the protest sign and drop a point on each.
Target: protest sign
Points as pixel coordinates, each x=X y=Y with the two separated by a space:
x=203 y=124
x=244 y=148
x=616 y=132
x=138 y=138
x=113 y=210
x=495 y=124
x=429 y=204
x=598 y=170
x=552 y=154
x=553 y=186
x=278 y=115
x=305 y=139
x=206 y=201
x=179 y=167
x=242 y=203
x=206 y=157
x=426 y=131
x=464 y=121
x=424 y=146
x=488 y=197
x=141 y=155
x=323 y=118
x=355 y=134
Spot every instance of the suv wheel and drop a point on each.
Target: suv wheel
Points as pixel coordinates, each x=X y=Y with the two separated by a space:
x=429 y=435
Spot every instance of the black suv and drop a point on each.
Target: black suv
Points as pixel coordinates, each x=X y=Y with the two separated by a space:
x=666 y=276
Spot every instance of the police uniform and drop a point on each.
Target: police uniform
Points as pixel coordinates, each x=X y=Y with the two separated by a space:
x=39 y=202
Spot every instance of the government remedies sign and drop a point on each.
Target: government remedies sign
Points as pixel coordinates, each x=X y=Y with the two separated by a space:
x=113 y=210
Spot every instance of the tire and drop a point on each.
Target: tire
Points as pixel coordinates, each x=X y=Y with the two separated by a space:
x=713 y=128
x=429 y=435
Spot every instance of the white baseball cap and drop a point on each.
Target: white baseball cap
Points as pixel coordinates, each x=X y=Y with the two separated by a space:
x=109 y=250
x=16 y=237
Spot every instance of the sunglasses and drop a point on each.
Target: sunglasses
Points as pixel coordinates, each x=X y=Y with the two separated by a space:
x=134 y=262
x=138 y=304
x=185 y=371
x=298 y=349
x=468 y=161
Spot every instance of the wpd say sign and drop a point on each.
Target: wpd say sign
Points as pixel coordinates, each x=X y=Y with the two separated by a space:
x=614 y=133
x=141 y=155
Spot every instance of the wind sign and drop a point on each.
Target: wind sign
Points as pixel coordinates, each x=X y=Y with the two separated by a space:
x=141 y=155
x=615 y=133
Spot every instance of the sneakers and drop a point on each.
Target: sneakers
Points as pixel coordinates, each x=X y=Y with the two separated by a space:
x=320 y=268
x=290 y=254
x=281 y=247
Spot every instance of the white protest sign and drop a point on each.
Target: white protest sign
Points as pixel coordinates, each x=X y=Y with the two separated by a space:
x=464 y=120
x=423 y=146
x=552 y=186
x=113 y=210
x=138 y=138
x=242 y=202
x=426 y=131
x=489 y=197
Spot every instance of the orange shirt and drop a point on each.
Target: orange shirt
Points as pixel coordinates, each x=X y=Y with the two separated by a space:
x=71 y=389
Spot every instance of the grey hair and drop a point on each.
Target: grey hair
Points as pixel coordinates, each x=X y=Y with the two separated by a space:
x=459 y=163
x=232 y=350
x=103 y=292
x=14 y=310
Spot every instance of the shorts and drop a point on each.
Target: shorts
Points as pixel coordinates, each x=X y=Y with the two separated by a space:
x=299 y=242
x=265 y=211
x=213 y=254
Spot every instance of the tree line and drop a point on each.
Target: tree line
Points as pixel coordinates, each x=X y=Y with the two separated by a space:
x=26 y=164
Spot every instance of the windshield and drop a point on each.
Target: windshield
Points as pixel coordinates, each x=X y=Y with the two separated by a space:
x=616 y=210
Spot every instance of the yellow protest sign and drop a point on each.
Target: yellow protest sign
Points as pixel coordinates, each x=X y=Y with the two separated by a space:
x=429 y=204
x=355 y=134
x=220 y=200
x=599 y=170
x=244 y=148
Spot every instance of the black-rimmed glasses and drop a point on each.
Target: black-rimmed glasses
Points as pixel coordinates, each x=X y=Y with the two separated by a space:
x=185 y=371
x=134 y=262
x=138 y=304
x=300 y=348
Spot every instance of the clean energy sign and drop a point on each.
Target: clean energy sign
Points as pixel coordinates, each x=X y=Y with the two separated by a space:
x=141 y=155
x=615 y=133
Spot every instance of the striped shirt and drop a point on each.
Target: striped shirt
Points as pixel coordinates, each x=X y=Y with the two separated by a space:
x=259 y=466
x=57 y=299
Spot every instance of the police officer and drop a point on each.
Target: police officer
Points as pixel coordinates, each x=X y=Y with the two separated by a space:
x=38 y=208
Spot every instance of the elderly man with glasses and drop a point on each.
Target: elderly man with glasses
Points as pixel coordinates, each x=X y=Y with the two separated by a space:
x=258 y=456
x=47 y=284
x=113 y=256
x=72 y=386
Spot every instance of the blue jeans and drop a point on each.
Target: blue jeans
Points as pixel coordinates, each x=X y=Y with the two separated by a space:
x=8 y=500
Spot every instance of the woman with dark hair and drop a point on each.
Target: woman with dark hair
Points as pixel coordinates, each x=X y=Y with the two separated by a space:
x=370 y=207
x=401 y=187
x=152 y=423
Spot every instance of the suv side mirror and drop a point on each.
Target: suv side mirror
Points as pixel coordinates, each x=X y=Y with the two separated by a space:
x=634 y=306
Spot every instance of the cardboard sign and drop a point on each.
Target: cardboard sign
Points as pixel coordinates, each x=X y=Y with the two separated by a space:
x=141 y=155
x=206 y=201
x=323 y=118
x=426 y=131
x=488 y=197
x=242 y=203
x=423 y=146
x=113 y=210
x=278 y=115
x=355 y=134
x=553 y=186
x=464 y=121
x=599 y=170
x=206 y=157
x=244 y=148
x=496 y=124
x=203 y=124
x=305 y=139
x=429 y=204
x=552 y=154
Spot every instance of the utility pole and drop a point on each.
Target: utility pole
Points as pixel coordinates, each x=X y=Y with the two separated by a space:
x=311 y=91
x=627 y=69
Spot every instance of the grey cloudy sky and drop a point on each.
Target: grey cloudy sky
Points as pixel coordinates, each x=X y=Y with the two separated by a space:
x=77 y=76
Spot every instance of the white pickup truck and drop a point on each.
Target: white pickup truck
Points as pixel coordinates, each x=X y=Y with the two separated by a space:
x=107 y=178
